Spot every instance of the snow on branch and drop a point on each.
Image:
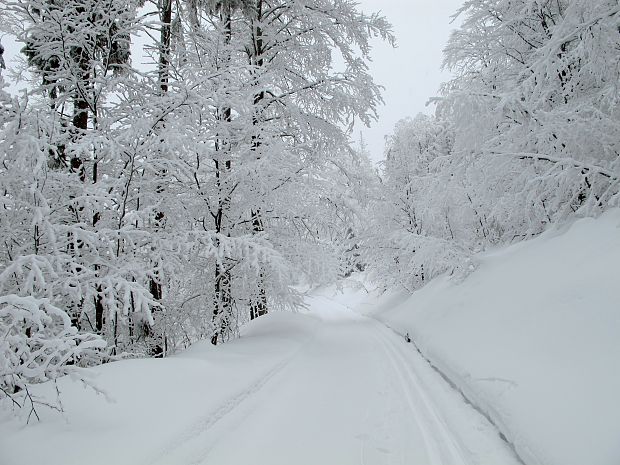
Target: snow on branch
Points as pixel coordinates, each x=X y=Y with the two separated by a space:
x=40 y=344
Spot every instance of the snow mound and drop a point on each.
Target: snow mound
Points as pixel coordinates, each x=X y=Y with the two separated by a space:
x=532 y=337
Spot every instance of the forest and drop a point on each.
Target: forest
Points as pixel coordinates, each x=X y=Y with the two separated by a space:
x=173 y=170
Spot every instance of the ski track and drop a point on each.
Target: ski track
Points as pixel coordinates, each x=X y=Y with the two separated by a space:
x=442 y=445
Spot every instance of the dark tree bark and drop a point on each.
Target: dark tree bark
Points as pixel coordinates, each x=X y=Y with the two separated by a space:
x=258 y=305
x=155 y=285
x=222 y=308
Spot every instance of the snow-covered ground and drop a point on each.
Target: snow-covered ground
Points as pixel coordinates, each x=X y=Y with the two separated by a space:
x=530 y=338
x=326 y=386
x=533 y=338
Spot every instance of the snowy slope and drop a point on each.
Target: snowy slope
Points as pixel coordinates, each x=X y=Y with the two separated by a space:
x=533 y=337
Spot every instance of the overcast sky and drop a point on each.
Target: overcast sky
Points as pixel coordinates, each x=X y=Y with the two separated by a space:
x=411 y=73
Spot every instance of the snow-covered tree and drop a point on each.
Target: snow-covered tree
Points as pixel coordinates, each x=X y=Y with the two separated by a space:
x=39 y=341
x=541 y=78
x=79 y=165
x=526 y=134
x=421 y=223
x=265 y=109
x=143 y=210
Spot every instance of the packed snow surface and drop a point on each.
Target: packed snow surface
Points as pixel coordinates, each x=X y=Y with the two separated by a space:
x=533 y=338
x=327 y=386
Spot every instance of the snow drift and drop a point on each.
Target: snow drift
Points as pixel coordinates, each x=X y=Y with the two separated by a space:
x=531 y=337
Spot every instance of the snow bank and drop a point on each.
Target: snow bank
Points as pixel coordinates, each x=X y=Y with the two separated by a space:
x=152 y=401
x=533 y=337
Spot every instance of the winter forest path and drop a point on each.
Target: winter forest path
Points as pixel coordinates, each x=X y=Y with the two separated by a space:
x=355 y=393
x=327 y=386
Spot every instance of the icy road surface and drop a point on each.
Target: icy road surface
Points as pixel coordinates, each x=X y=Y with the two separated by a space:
x=330 y=387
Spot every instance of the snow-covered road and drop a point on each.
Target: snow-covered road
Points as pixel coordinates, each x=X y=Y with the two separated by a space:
x=327 y=387
x=354 y=393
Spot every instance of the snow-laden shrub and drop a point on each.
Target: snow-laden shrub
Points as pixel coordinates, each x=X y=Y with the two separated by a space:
x=39 y=344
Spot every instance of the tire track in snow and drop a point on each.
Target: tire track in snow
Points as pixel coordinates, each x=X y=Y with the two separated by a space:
x=443 y=447
x=211 y=418
x=166 y=454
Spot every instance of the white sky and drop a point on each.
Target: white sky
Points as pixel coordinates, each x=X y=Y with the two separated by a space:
x=411 y=73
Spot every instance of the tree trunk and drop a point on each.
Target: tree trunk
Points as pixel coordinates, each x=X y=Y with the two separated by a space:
x=157 y=349
x=222 y=308
x=164 y=50
x=81 y=111
x=258 y=305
